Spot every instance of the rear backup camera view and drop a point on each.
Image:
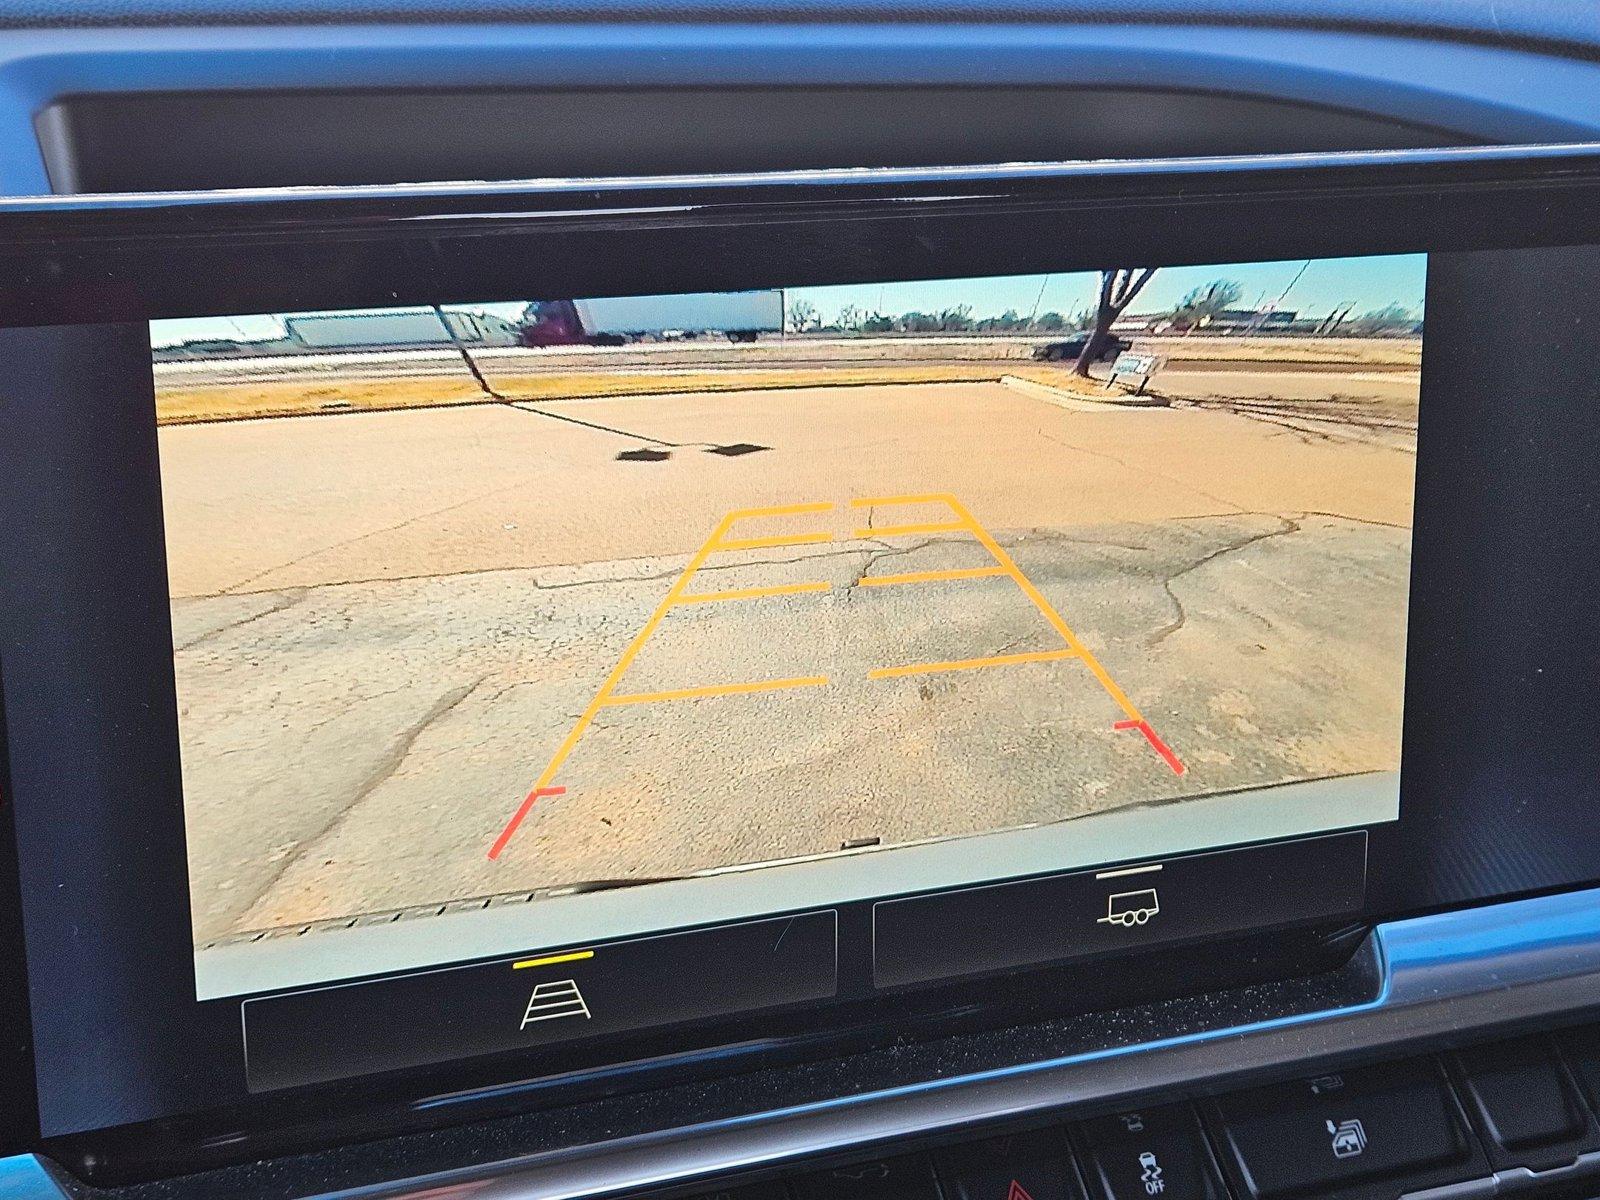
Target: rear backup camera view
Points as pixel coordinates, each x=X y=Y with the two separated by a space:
x=517 y=624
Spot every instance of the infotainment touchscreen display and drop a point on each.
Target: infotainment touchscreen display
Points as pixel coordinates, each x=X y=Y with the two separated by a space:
x=471 y=649
x=536 y=624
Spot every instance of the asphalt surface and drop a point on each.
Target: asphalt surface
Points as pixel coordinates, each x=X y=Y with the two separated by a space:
x=419 y=609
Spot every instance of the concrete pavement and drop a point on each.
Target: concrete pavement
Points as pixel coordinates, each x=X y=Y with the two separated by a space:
x=380 y=658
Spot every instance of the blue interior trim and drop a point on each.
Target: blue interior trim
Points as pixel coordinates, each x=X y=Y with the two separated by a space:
x=1442 y=976
x=24 y=1177
x=1493 y=93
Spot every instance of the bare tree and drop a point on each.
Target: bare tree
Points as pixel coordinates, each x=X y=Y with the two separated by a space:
x=1390 y=319
x=802 y=315
x=1204 y=303
x=1118 y=287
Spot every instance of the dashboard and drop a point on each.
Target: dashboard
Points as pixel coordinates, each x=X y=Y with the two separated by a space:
x=836 y=604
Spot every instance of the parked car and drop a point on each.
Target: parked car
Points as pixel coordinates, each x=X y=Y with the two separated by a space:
x=1068 y=349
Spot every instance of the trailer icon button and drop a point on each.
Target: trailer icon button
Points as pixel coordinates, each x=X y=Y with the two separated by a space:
x=1130 y=908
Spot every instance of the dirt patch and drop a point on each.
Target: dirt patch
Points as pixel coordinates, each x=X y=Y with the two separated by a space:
x=331 y=386
x=1347 y=352
x=237 y=402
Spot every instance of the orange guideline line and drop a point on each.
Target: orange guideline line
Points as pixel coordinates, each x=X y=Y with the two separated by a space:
x=717 y=689
x=674 y=594
x=933 y=576
x=785 y=589
x=1007 y=566
x=923 y=527
x=967 y=664
x=1046 y=609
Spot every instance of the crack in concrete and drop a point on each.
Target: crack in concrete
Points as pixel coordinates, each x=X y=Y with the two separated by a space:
x=874 y=557
x=1046 y=534
x=350 y=704
x=381 y=773
x=1334 y=516
x=1288 y=526
x=860 y=547
x=1347 y=414
x=869 y=547
x=235 y=589
x=1304 y=427
x=1020 y=640
x=1139 y=469
x=290 y=597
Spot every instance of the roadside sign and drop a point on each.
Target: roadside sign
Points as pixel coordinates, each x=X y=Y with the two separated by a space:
x=1131 y=363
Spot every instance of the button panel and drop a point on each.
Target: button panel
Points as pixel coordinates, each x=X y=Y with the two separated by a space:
x=1083 y=914
x=1519 y=1117
x=543 y=999
x=1324 y=1135
x=1525 y=1104
x=906 y=1177
x=1150 y=1154
x=1025 y=1166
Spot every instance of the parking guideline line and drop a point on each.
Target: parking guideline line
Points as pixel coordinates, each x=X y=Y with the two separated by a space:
x=1046 y=609
x=1007 y=566
x=679 y=587
x=1156 y=744
x=717 y=689
x=718 y=541
x=932 y=576
x=867 y=531
x=782 y=589
x=967 y=664
x=516 y=817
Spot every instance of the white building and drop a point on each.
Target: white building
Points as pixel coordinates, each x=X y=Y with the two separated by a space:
x=396 y=328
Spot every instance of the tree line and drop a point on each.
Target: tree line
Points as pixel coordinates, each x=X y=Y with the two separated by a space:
x=803 y=317
x=1118 y=289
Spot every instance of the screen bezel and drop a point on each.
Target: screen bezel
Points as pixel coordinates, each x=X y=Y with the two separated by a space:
x=115 y=267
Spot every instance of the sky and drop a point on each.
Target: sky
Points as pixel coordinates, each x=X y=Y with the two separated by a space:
x=1323 y=285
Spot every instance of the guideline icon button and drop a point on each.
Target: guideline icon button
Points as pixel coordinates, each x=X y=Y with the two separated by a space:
x=553 y=1001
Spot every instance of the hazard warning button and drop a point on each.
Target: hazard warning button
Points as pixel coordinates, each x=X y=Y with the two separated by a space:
x=1025 y=1166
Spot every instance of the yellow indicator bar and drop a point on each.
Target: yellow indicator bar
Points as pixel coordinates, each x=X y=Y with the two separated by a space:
x=718 y=689
x=553 y=959
x=934 y=576
x=786 y=589
x=968 y=664
x=930 y=527
x=788 y=539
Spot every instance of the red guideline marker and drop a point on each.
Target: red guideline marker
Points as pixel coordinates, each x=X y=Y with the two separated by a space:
x=516 y=819
x=1017 y=1192
x=1143 y=727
